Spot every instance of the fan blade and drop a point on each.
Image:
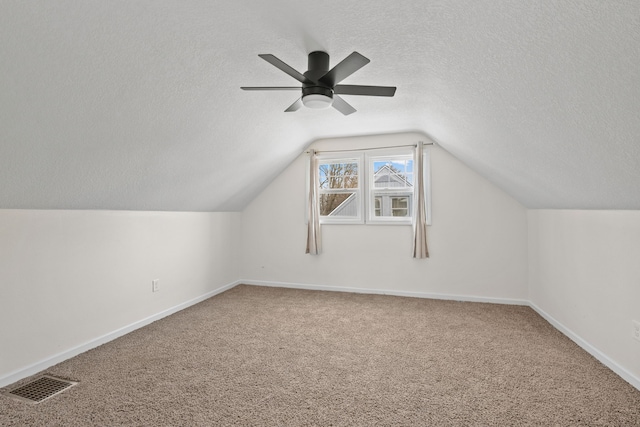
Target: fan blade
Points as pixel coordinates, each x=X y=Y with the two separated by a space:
x=342 y=105
x=364 y=90
x=271 y=88
x=344 y=69
x=295 y=106
x=284 y=67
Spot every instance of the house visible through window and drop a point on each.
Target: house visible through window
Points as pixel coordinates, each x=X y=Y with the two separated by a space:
x=391 y=188
x=378 y=206
x=400 y=206
x=372 y=188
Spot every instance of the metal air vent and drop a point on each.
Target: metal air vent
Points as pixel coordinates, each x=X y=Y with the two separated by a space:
x=41 y=389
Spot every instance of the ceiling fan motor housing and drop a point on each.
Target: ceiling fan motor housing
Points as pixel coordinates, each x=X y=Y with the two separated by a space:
x=318 y=66
x=316 y=93
x=317 y=90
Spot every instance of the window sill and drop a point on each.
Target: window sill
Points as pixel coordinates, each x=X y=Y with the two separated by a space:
x=366 y=223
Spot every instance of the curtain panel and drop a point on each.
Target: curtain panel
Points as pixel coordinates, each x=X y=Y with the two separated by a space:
x=314 y=244
x=420 y=249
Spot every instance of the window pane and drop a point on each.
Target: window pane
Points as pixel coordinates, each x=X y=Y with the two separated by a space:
x=378 y=206
x=339 y=204
x=338 y=175
x=390 y=173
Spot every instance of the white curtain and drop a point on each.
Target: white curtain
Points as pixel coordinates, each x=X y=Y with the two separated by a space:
x=420 y=249
x=314 y=244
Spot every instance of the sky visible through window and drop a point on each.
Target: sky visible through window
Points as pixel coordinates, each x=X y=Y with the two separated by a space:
x=401 y=169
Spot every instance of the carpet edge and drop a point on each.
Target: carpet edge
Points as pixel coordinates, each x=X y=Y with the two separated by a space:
x=429 y=295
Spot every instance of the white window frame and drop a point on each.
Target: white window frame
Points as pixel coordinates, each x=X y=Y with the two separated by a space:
x=346 y=157
x=403 y=153
x=366 y=202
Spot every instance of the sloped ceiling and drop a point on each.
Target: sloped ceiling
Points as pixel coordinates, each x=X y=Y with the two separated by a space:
x=136 y=104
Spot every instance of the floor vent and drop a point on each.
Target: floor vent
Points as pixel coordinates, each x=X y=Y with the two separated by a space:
x=41 y=389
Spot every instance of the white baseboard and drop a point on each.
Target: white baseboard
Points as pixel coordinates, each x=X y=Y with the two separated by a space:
x=451 y=297
x=67 y=354
x=60 y=357
x=603 y=358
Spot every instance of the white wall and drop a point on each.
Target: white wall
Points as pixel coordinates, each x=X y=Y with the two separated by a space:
x=585 y=274
x=477 y=240
x=68 y=277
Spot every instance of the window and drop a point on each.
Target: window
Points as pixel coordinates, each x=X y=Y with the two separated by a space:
x=375 y=187
x=400 y=206
x=391 y=186
x=339 y=193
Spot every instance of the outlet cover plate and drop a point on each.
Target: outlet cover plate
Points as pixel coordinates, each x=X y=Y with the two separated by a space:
x=636 y=329
x=155 y=285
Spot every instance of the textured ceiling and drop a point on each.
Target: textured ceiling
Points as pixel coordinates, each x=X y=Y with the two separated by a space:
x=136 y=104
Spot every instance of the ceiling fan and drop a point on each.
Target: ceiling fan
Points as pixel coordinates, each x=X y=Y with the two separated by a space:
x=320 y=88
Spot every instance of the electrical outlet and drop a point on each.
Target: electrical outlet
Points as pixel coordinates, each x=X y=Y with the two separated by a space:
x=636 y=329
x=155 y=286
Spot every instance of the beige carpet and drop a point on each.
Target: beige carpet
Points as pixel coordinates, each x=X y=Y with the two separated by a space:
x=281 y=357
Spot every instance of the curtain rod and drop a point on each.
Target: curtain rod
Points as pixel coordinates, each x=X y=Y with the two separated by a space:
x=367 y=149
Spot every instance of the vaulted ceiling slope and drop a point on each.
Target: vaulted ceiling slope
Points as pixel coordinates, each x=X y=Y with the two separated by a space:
x=137 y=105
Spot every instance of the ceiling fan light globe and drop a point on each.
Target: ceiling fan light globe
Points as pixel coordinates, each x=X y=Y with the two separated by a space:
x=317 y=102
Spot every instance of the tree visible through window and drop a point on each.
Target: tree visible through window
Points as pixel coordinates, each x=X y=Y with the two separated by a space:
x=339 y=184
